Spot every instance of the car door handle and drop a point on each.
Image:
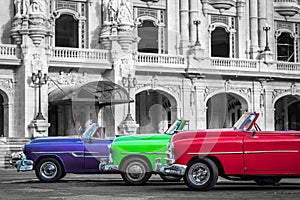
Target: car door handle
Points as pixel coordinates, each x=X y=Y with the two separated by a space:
x=298 y=135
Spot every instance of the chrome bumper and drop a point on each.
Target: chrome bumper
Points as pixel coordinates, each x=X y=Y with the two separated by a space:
x=24 y=165
x=106 y=165
x=170 y=170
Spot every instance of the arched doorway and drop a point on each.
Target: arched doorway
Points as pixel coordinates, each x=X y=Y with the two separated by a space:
x=155 y=111
x=4 y=115
x=287 y=113
x=224 y=109
x=220 y=43
x=66 y=31
x=74 y=107
x=148 y=32
x=1 y=116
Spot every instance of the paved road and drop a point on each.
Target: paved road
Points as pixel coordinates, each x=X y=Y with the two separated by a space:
x=24 y=185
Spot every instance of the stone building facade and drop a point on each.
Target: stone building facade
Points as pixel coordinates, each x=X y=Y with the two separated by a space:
x=134 y=66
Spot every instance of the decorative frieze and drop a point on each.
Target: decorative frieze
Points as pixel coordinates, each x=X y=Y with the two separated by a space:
x=67 y=79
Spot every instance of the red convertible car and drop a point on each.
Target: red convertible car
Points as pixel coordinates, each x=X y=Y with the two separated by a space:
x=243 y=152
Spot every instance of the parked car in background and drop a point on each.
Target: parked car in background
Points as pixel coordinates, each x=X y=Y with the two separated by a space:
x=243 y=152
x=53 y=157
x=134 y=156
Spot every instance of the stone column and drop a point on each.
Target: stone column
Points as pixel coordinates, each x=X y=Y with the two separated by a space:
x=253 y=29
x=184 y=25
x=262 y=20
x=193 y=16
x=269 y=109
x=257 y=101
x=200 y=104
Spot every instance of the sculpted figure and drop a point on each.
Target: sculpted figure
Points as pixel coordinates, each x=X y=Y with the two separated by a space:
x=124 y=14
x=110 y=9
x=37 y=6
x=18 y=7
x=26 y=7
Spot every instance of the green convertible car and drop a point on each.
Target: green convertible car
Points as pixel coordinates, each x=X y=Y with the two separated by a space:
x=134 y=156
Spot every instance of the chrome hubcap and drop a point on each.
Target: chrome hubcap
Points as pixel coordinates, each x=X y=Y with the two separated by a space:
x=48 y=170
x=199 y=174
x=135 y=171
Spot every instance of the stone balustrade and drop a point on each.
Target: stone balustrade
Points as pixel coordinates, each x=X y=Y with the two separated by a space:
x=288 y=67
x=62 y=56
x=81 y=54
x=7 y=50
x=234 y=64
x=149 y=58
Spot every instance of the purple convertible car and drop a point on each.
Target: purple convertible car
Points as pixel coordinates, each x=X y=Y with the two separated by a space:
x=53 y=157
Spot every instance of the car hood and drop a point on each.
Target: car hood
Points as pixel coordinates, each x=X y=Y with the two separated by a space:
x=142 y=137
x=55 y=140
x=204 y=133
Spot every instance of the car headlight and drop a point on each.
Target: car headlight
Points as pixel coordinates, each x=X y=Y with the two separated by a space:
x=171 y=153
x=110 y=160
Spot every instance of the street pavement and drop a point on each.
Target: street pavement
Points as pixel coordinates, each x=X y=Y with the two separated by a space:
x=24 y=185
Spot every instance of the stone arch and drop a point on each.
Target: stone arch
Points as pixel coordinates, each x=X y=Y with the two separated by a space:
x=286 y=111
x=156 y=109
x=5 y=112
x=223 y=109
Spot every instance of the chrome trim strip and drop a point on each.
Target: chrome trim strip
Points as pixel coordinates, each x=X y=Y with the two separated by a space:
x=58 y=152
x=76 y=154
x=215 y=153
x=140 y=153
x=271 y=151
x=246 y=152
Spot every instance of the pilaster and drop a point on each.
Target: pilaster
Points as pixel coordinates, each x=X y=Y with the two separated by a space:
x=119 y=37
x=30 y=30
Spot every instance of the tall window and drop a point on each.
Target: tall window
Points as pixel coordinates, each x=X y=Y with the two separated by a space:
x=148 y=33
x=66 y=32
x=285 y=48
x=220 y=43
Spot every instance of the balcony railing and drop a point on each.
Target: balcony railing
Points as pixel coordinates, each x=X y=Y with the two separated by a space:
x=74 y=57
x=79 y=54
x=160 y=59
x=234 y=64
x=8 y=50
x=288 y=67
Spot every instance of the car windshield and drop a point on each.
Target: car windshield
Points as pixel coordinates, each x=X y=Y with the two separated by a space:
x=89 y=131
x=244 y=122
x=177 y=125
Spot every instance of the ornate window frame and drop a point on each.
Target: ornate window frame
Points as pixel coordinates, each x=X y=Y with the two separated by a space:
x=296 y=42
x=158 y=20
x=79 y=15
x=229 y=24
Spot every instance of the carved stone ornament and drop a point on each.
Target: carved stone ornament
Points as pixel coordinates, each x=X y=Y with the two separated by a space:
x=71 y=78
x=7 y=84
x=36 y=63
x=277 y=92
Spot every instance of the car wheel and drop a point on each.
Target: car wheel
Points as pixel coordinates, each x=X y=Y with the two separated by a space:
x=170 y=178
x=49 y=170
x=135 y=171
x=201 y=174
